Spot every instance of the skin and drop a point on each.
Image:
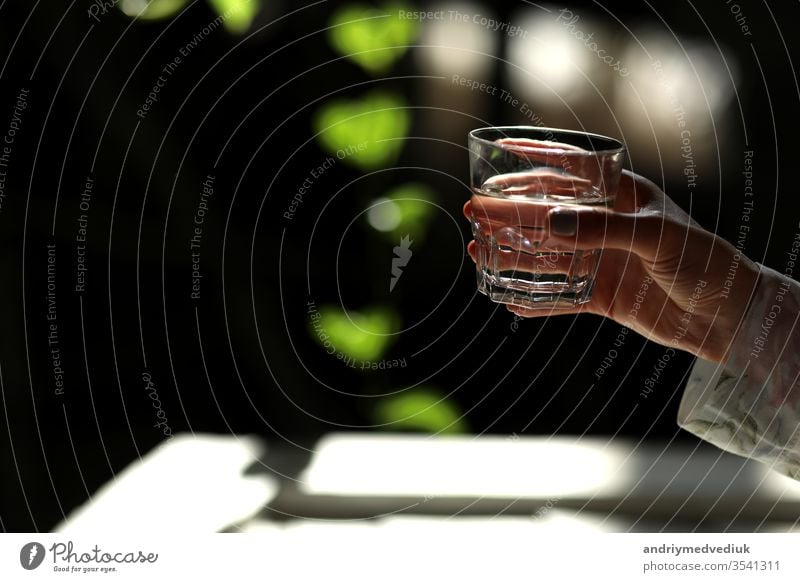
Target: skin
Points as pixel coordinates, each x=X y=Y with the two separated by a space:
x=645 y=235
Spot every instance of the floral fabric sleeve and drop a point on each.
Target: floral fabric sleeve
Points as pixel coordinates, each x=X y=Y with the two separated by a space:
x=750 y=405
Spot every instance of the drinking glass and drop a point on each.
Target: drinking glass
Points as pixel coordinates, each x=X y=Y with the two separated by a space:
x=518 y=174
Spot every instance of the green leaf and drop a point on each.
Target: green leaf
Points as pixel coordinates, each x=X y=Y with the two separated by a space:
x=152 y=9
x=363 y=335
x=422 y=409
x=404 y=211
x=416 y=208
x=373 y=38
x=367 y=132
x=237 y=15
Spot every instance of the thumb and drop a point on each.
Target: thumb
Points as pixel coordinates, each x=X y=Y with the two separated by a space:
x=643 y=233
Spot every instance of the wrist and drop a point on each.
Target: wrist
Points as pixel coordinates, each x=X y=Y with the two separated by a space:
x=733 y=308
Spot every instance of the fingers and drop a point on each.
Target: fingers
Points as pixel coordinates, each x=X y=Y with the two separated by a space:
x=528 y=312
x=500 y=219
x=543 y=152
x=521 y=265
x=481 y=222
x=509 y=212
x=528 y=226
x=541 y=181
x=552 y=263
x=598 y=171
x=643 y=233
x=534 y=146
x=645 y=221
x=518 y=238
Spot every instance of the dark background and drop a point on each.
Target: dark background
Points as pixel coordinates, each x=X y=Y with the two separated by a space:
x=242 y=359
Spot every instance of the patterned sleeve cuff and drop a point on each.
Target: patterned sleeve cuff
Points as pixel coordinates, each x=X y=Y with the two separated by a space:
x=750 y=405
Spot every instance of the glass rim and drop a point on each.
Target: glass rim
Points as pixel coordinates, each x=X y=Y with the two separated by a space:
x=473 y=135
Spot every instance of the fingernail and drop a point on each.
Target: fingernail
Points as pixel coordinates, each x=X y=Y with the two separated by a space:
x=563 y=222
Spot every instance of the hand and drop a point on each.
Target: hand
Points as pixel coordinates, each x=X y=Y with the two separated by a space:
x=693 y=287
